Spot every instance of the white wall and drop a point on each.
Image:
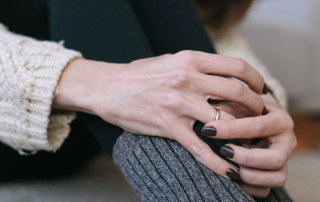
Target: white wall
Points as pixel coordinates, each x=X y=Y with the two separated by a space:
x=285 y=34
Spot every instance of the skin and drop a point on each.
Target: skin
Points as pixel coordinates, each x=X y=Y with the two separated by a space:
x=163 y=96
x=260 y=168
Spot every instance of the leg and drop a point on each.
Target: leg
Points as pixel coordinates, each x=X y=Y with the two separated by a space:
x=113 y=32
x=162 y=170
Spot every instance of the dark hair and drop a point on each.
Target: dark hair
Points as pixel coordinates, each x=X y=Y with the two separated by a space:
x=221 y=15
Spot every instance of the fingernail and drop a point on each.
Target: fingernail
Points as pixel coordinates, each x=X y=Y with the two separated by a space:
x=265 y=89
x=227 y=152
x=208 y=131
x=234 y=165
x=233 y=175
x=255 y=141
x=265 y=111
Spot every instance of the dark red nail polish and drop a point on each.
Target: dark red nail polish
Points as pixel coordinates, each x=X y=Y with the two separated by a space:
x=233 y=175
x=265 y=111
x=265 y=89
x=208 y=131
x=234 y=165
x=227 y=152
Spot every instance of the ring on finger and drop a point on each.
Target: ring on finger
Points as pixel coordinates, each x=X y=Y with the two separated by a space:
x=217 y=112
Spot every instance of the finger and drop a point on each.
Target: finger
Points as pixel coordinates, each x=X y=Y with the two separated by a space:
x=198 y=109
x=230 y=90
x=267 y=159
x=274 y=178
x=206 y=113
x=255 y=191
x=227 y=66
x=235 y=110
x=275 y=122
x=203 y=153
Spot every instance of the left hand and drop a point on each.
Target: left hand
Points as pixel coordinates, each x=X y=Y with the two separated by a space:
x=260 y=168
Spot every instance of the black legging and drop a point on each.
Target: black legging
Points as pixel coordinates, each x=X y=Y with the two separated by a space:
x=120 y=32
x=106 y=30
x=117 y=31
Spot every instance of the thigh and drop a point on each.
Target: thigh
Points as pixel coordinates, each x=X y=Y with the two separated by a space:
x=160 y=169
x=105 y=30
x=172 y=26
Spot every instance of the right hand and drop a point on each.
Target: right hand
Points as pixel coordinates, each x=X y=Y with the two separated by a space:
x=164 y=96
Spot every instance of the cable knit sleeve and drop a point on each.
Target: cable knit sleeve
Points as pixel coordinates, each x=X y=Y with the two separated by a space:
x=235 y=46
x=29 y=73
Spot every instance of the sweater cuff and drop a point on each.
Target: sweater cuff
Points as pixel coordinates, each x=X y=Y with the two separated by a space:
x=47 y=130
x=29 y=73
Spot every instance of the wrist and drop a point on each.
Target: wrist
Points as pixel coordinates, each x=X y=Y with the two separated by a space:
x=75 y=89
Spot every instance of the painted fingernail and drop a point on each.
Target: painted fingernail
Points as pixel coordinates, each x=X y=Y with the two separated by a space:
x=208 y=131
x=227 y=152
x=265 y=89
x=255 y=141
x=233 y=175
x=234 y=165
x=265 y=111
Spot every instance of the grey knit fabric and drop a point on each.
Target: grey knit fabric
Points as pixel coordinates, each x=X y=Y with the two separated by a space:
x=160 y=169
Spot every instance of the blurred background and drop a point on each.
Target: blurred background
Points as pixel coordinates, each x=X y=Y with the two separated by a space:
x=285 y=35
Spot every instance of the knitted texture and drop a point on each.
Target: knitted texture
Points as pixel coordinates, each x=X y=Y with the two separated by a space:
x=29 y=73
x=160 y=169
x=235 y=46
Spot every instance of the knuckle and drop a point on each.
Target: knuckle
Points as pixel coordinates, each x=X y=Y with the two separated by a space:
x=264 y=193
x=187 y=58
x=289 y=122
x=260 y=103
x=237 y=88
x=249 y=178
x=215 y=164
x=198 y=149
x=279 y=161
x=280 y=180
x=226 y=130
x=247 y=160
x=258 y=129
x=179 y=78
x=240 y=66
x=260 y=81
x=166 y=55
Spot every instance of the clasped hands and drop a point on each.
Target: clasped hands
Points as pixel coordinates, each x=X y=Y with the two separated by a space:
x=164 y=96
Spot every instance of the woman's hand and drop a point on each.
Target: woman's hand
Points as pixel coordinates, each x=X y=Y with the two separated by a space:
x=260 y=168
x=163 y=96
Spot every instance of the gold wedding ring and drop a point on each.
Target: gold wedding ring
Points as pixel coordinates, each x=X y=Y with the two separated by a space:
x=217 y=110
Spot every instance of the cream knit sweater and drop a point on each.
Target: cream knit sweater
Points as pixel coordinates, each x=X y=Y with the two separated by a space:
x=29 y=73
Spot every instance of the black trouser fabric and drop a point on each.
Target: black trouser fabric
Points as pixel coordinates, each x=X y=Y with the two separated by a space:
x=122 y=31
x=107 y=30
x=113 y=31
